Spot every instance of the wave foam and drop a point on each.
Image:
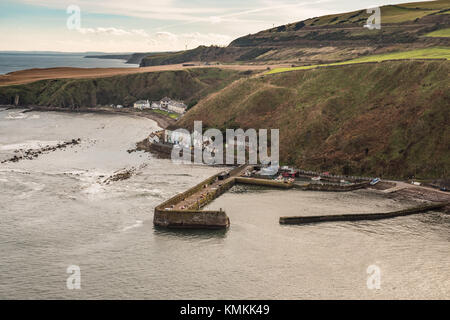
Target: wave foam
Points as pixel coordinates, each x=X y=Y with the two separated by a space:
x=138 y=224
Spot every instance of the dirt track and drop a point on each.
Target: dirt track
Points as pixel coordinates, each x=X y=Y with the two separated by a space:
x=31 y=75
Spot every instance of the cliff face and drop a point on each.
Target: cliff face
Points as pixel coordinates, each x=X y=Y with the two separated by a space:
x=187 y=85
x=388 y=119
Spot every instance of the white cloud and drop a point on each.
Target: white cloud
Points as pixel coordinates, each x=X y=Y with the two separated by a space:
x=166 y=36
x=167 y=41
x=135 y=40
x=160 y=25
x=113 y=31
x=156 y=9
x=140 y=32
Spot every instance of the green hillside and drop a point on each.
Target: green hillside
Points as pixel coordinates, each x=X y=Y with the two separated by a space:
x=188 y=85
x=387 y=119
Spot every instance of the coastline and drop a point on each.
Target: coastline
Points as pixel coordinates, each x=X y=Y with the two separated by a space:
x=162 y=121
x=394 y=189
x=399 y=190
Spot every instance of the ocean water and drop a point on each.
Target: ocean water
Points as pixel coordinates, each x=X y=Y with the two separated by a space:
x=55 y=212
x=11 y=61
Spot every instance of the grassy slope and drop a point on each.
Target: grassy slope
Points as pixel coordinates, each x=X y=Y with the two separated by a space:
x=189 y=85
x=167 y=113
x=389 y=14
x=439 y=33
x=428 y=53
x=389 y=119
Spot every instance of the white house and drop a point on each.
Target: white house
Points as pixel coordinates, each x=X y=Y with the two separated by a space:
x=153 y=138
x=170 y=105
x=177 y=107
x=164 y=102
x=142 y=104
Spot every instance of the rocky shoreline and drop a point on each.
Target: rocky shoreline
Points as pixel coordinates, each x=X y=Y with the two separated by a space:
x=30 y=154
x=123 y=174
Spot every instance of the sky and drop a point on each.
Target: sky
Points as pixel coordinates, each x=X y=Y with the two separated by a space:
x=150 y=25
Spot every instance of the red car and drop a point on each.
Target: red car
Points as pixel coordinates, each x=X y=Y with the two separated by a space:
x=290 y=174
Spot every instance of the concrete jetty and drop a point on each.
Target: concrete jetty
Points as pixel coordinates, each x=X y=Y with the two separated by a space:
x=362 y=216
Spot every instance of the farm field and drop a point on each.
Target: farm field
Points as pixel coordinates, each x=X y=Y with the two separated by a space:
x=428 y=53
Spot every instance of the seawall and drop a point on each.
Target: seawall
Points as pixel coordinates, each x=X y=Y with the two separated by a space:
x=362 y=216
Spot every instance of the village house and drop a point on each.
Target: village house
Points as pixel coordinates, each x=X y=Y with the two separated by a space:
x=177 y=107
x=142 y=104
x=164 y=103
x=168 y=104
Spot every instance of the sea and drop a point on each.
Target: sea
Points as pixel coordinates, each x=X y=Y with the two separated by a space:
x=14 y=61
x=60 y=220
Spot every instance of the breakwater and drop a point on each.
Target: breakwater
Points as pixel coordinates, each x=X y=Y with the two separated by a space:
x=332 y=187
x=362 y=216
x=184 y=209
x=264 y=182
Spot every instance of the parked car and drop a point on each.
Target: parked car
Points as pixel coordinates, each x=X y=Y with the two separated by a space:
x=223 y=175
x=290 y=174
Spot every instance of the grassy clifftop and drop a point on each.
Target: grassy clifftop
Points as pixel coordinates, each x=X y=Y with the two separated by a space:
x=188 y=85
x=389 y=119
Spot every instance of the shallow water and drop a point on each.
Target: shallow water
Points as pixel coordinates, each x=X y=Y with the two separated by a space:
x=54 y=213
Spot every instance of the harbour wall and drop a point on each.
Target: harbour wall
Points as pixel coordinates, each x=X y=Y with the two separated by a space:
x=194 y=217
x=362 y=216
x=264 y=182
x=190 y=218
x=332 y=187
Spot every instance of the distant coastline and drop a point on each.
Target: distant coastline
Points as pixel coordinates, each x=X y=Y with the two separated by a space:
x=130 y=58
x=16 y=61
